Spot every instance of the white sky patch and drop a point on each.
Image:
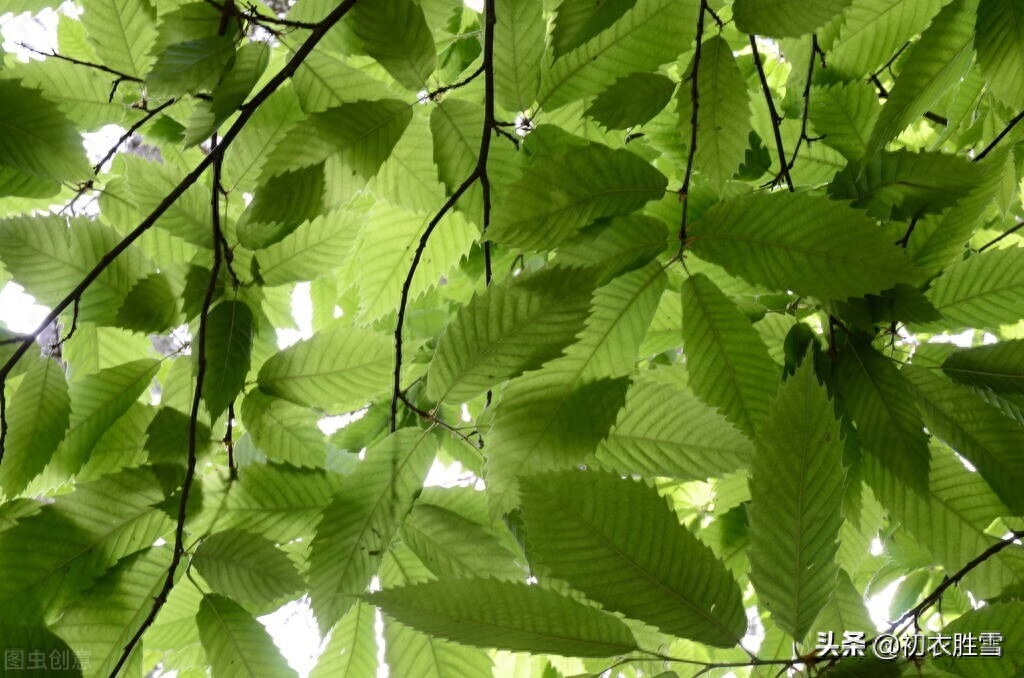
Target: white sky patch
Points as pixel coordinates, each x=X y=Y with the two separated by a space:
x=475 y=5
x=302 y=313
x=20 y=311
x=333 y=423
x=293 y=629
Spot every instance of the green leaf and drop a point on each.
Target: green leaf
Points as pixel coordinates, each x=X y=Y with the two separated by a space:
x=984 y=291
x=45 y=647
x=546 y=421
x=358 y=526
x=245 y=159
x=411 y=653
x=730 y=369
x=618 y=542
x=49 y=260
x=513 y=326
x=844 y=115
x=229 y=335
x=904 y=185
x=337 y=369
x=621 y=312
x=999 y=367
x=795 y=512
x=121 y=32
x=149 y=182
x=631 y=100
x=37 y=137
x=872 y=31
x=388 y=237
x=1006 y=619
x=396 y=34
x=636 y=43
x=800 y=242
x=97 y=401
x=48 y=557
x=284 y=431
x=190 y=66
x=361 y=133
x=937 y=62
x=311 y=250
x=270 y=218
x=785 y=18
x=1000 y=44
x=324 y=80
x=248 y=568
x=37 y=417
x=560 y=194
x=100 y=623
x=974 y=428
x=723 y=114
x=82 y=94
x=453 y=546
x=279 y=501
x=879 y=399
x=236 y=644
x=518 y=51
x=150 y=306
x=352 y=649
x=507 y=615
x=577 y=21
x=242 y=75
x=950 y=521
x=664 y=430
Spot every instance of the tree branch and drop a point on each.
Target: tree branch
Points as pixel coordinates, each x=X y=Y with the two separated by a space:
x=776 y=119
x=815 y=51
x=999 y=137
x=193 y=428
x=684 y=191
x=479 y=173
x=264 y=21
x=150 y=114
x=993 y=241
x=883 y=93
x=245 y=113
x=121 y=75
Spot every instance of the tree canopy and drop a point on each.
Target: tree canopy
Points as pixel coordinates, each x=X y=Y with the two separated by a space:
x=667 y=279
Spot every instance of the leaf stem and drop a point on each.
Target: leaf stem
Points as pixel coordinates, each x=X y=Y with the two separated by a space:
x=684 y=190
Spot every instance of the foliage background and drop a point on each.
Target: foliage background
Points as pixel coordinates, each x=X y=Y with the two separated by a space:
x=665 y=278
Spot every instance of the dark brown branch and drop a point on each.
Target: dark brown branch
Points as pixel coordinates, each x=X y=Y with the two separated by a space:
x=773 y=113
x=479 y=173
x=193 y=431
x=815 y=51
x=254 y=16
x=229 y=442
x=684 y=190
x=150 y=114
x=933 y=598
x=245 y=113
x=902 y=242
x=993 y=241
x=433 y=96
x=883 y=93
x=121 y=75
x=999 y=137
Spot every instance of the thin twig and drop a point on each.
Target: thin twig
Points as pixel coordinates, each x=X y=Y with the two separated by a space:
x=245 y=113
x=229 y=442
x=773 y=113
x=684 y=190
x=883 y=93
x=993 y=241
x=150 y=114
x=254 y=16
x=815 y=51
x=479 y=173
x=902 y=242
x=193 y=432
x=433 y=95
x=121 y=75
x=999 y=137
